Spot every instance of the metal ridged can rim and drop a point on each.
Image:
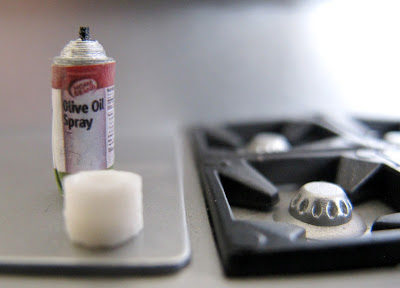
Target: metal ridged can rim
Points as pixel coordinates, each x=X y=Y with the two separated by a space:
x=78 y=52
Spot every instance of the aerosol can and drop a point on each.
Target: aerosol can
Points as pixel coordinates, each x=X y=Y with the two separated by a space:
x=83 y=107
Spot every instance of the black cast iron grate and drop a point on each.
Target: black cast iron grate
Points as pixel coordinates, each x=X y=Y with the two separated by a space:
x=349 y=153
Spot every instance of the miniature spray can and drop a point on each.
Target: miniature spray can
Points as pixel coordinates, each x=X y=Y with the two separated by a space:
x=83 y=107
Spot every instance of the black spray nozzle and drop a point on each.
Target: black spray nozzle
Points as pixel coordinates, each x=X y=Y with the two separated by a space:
x=84 y=33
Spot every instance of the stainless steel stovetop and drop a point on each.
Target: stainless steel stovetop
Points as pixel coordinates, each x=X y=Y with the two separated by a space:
x=344 y=217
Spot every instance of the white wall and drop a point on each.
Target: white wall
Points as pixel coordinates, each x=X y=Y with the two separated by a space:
x=185 y=62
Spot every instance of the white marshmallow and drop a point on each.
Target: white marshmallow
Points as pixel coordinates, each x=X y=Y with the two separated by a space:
x=103 y=208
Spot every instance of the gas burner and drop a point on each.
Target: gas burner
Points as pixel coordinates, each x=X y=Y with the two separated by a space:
x=273 y=137
x=268 y=142
x=324 y=211
x=314 y=189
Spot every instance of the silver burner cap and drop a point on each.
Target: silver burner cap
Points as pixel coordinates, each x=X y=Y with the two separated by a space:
x=322 y=204
x=268 y=143
x=392 y=137
x=324 y=211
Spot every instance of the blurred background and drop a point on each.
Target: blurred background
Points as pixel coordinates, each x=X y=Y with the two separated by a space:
x=181 y=63
x=185 y=62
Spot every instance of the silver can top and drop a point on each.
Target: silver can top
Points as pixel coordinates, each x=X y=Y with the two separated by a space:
x=82 y=51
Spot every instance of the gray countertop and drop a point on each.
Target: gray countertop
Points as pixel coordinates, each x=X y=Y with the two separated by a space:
x=188 y=62
x=205 y=270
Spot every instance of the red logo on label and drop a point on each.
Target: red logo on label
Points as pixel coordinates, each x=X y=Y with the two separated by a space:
x=81 y=87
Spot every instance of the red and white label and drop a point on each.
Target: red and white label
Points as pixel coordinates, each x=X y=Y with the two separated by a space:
x=83 y=117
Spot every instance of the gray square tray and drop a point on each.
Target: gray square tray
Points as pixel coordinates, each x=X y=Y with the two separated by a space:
x=32 y=235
